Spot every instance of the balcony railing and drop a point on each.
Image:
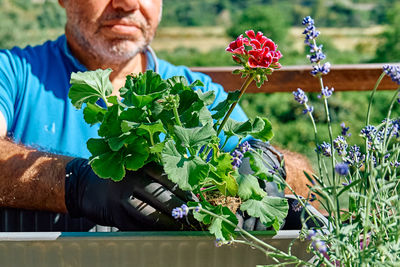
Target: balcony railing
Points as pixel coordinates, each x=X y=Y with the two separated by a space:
x=358 y=77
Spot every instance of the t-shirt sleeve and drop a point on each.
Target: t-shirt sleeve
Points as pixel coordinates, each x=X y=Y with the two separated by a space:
x=8 y=86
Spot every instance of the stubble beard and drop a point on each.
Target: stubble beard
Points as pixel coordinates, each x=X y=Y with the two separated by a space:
x=108 y=51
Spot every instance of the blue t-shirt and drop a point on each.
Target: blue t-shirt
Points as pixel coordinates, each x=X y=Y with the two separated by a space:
x=34 y=85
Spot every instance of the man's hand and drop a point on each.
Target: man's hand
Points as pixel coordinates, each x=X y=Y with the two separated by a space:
x=143 y=200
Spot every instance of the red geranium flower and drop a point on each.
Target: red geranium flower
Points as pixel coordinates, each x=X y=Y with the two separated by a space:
x=264 y=51
x=261 y=51
x=237 y=46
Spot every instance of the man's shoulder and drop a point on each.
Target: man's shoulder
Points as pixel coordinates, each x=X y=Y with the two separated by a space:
x=30 y=53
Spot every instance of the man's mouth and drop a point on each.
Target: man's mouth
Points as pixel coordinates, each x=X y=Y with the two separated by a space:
x=122 y=27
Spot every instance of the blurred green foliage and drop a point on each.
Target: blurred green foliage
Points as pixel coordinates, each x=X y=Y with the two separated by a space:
x=25 y=22
x=271 y=20
x=389 y=49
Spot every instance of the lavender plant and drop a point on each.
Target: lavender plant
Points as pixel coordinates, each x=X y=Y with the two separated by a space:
x=360 y=193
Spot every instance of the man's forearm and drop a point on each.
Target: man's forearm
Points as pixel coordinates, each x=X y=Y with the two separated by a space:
x=30 y=179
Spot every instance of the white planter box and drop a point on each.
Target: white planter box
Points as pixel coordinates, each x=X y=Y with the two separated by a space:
x=136 y=249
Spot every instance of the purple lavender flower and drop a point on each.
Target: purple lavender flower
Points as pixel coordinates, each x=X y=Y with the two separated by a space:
x=300 y=96
x=308 y=109
x=307 y=21
x=342 y=169
x=321 y=70
x=345 y=130
x=296 y=206
x=311 y=234
x=340 y=145
x=325 y=149
x=198 y=208
x=396 y=128
x=393 y=72
x=319 y=245
x=180 y=212
x=348 y=183
x=238 y=154
x=326 y=92
x=218 y=242
x=355 y=157
x=236 y=162
x=244 y=147
x=317 y=57
x=395 y=164
x=368 y=132
x=315 y=48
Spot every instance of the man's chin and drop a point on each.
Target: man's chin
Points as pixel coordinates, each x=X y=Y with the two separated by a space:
x=123 y=50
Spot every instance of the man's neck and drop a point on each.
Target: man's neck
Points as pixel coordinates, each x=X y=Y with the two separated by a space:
x=120 y=69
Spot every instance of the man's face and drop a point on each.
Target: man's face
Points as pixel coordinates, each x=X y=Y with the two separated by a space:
x=112 y=30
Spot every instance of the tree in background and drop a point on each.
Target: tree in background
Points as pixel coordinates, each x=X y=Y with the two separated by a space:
x=389 y=49
x=272 y=20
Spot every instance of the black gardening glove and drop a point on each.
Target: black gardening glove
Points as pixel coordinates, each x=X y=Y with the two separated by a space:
x=143 y=200
x=275 y=164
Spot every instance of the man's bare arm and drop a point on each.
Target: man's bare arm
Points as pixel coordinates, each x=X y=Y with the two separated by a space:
x=30 y=179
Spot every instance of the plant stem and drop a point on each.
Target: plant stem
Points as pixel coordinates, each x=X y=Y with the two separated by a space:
x=176 y=115
x=246 y=84
x=372 y=96
x=256 y=240
x=396 y=95
x=316 y=138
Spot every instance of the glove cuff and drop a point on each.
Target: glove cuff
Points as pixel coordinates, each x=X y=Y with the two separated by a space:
x=72 y=186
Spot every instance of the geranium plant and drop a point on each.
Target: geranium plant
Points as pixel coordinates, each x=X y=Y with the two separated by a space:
x=168 y=122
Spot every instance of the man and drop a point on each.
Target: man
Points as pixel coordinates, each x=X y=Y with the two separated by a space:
x=44 y=166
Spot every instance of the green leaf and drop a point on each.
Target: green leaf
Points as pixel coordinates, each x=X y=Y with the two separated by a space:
x=258 y=166
x=117 y=142
x=127 y=126
x=153 y=128
x=137 y=154
x=223 y=107
x=105 y=162
x=207 y=97
x=113 y=100
x=222 y=174
x=205 y=116
x=267 y=209
x=111 y=125
x=185 y=172
x=196 y=83
x=262 y=129
x=93 y=113
x=194 y=137
x=221 y=229
x=157 y=148
x=201 y=216
x=89 y=86
x=239 y=129
x=133 y=114
x=142 y=89
x=249 y=187
x=178 y=84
